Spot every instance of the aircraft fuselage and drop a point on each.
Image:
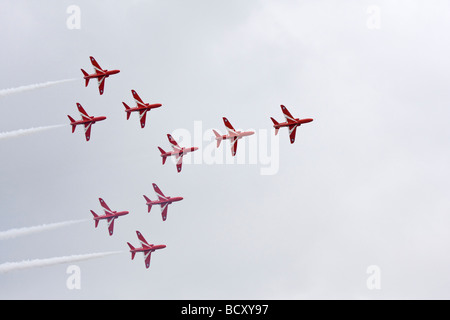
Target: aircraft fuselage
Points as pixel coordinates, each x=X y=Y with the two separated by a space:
x=115 y=214
x=152 y=248
x=105 y=73
x=183 y=151
x=168 y=201
x=93 y=120
x=147 y=107
x=297 y=122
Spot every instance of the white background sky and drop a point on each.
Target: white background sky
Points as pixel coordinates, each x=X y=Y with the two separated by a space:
x=366 y=183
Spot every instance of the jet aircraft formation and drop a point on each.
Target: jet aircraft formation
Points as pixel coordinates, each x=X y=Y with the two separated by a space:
x=177 y=151
x=110 y=216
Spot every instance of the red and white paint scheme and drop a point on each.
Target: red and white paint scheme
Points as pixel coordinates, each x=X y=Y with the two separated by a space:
x=233 y=136
x=291 y=123
x=141 y=107
x=162 y=201
x=146 y=248
x=109 y=216
x=98 y=74
x=86 y=120
x=178 y=152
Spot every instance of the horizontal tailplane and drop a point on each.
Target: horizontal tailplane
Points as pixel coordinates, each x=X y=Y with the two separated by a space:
x=85 y=75
x=164 y=158
x=73 y=125
x=148 y=202
x=275 y=125
x=127 y=108
x=218 y=138
x=95 y=216
x=131 y=250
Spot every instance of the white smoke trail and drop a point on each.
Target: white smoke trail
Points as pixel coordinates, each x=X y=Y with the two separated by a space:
x=5 y=92
x=37 y=263
x=17 y=232
x=23 y=132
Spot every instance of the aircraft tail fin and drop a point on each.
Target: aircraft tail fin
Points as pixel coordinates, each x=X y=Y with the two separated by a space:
x=95 y=216
x=132 y=252
x=85 y=74
x=164 y=158
x=148 y=202
x=218 y=138
x=275 y=122
x=127 y=108
x=73 y=125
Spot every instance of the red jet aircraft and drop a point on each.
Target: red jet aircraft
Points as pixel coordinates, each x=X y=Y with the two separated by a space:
x=163 y=201
x=110 y=216
x=178 y=152
x=99 y=74
x=86 y=120
x=146 y=248
x=141 y=107
x=233 y=136
x=290 y=122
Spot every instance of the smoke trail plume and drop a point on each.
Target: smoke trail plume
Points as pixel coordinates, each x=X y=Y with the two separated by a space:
x=5 y=92
x=17 y=232
x=23 y=132
x=37 y=263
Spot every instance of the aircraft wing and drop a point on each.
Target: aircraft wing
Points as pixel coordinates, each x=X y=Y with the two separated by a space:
x=159 y=193
x=234 y=143
x=292 y=131
x=83 y=112
x=142 y=240
x=111 y=226
x=138 y=99
x=96 y=66
x=142 y=117
x=147 y=256
x=230 y=128
x=164 y=211
x=87 y=130
x=101 y=84
x=287 y=114
x=174 y=144
x=180 y=163
x=108 y=211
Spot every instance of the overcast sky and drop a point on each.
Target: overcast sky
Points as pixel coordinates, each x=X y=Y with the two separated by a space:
x=366 y=183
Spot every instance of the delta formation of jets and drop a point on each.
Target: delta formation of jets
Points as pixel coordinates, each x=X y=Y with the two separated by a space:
x=142 y=108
